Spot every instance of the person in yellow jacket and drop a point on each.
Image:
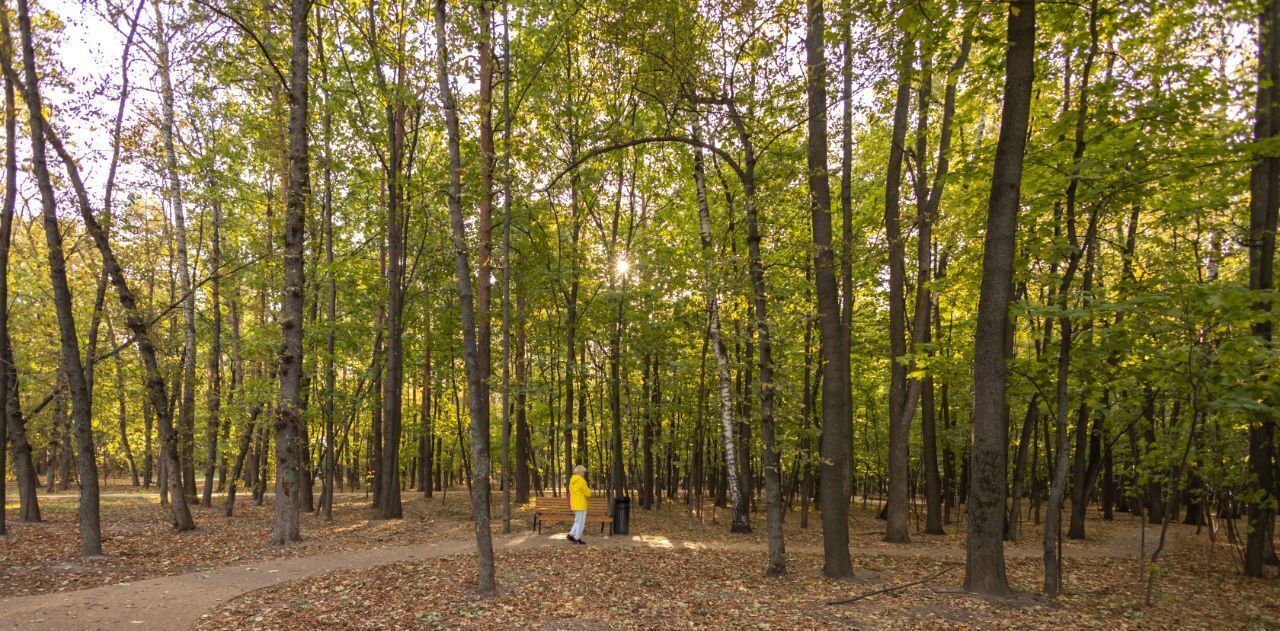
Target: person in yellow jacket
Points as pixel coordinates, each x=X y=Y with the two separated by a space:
x=579 y=493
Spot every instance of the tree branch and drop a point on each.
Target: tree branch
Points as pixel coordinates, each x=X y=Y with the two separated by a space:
x=598 y=151
x=893 y=588
x=253 y=36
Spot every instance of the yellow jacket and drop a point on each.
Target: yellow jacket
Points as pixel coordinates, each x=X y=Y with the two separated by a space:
x=578 y=493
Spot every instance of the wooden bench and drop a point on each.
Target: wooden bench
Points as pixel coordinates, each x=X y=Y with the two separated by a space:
x=556 y=509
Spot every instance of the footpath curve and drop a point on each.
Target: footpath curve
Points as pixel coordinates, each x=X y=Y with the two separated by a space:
x=178 y=601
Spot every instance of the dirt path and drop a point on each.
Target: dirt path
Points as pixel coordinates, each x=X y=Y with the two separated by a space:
x=176 y=602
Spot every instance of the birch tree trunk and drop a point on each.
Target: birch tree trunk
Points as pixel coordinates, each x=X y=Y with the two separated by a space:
x=738 y=502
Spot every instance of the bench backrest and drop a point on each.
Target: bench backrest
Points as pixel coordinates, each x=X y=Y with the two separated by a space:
x=594 y=504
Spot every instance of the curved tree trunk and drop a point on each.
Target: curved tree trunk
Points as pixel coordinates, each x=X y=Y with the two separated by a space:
x=157 y=396
x=90 y=525
x=724 y=390
x=246 y=438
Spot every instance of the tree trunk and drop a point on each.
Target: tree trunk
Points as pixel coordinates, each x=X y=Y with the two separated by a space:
x=484 y=234
x=246 y=438
x=1057 y=488
x=10 y=402
x=928 y=201
x=984 y=560
x=617 y=472
x=288 y=421
x=187 y=409
x=215 y=355
x=770 y=456
x=1264 y=201
x=1053 y=579
x=740 y=523
x=237 y=379
x=158 y=398
x=388 y=488
x=932 y=482
x=899 y=420
x=6 y=234
x=846 y=219
x=507 y=477
x=479 y=421
x=835 y=363
x=1108 y=484
x=374 y=466
x=90 y=526
x=428 y=424
x=6 y=230
x=331 y=295
x=1025 y=438
x=646 y=433
x=122 y=410
x=523 y=449
x=148 y=422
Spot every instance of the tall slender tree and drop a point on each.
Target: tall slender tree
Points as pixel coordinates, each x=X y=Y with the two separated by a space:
x=187 y=406
x=466 y=300
x=899 y=418
x=289 y=406
x=984 y=552
x=834 y=467
x=506 y=269
x=70 y=364
x=715 y=337
x=215 y=355
x=10 y=402
x=1264 y=201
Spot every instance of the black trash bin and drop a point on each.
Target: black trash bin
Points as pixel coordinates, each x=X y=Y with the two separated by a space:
x=621 y=515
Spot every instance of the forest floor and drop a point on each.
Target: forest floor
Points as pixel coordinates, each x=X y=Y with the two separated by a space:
x=673 y=570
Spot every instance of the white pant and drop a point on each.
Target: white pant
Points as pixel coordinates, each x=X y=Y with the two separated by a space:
x=579 y=523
